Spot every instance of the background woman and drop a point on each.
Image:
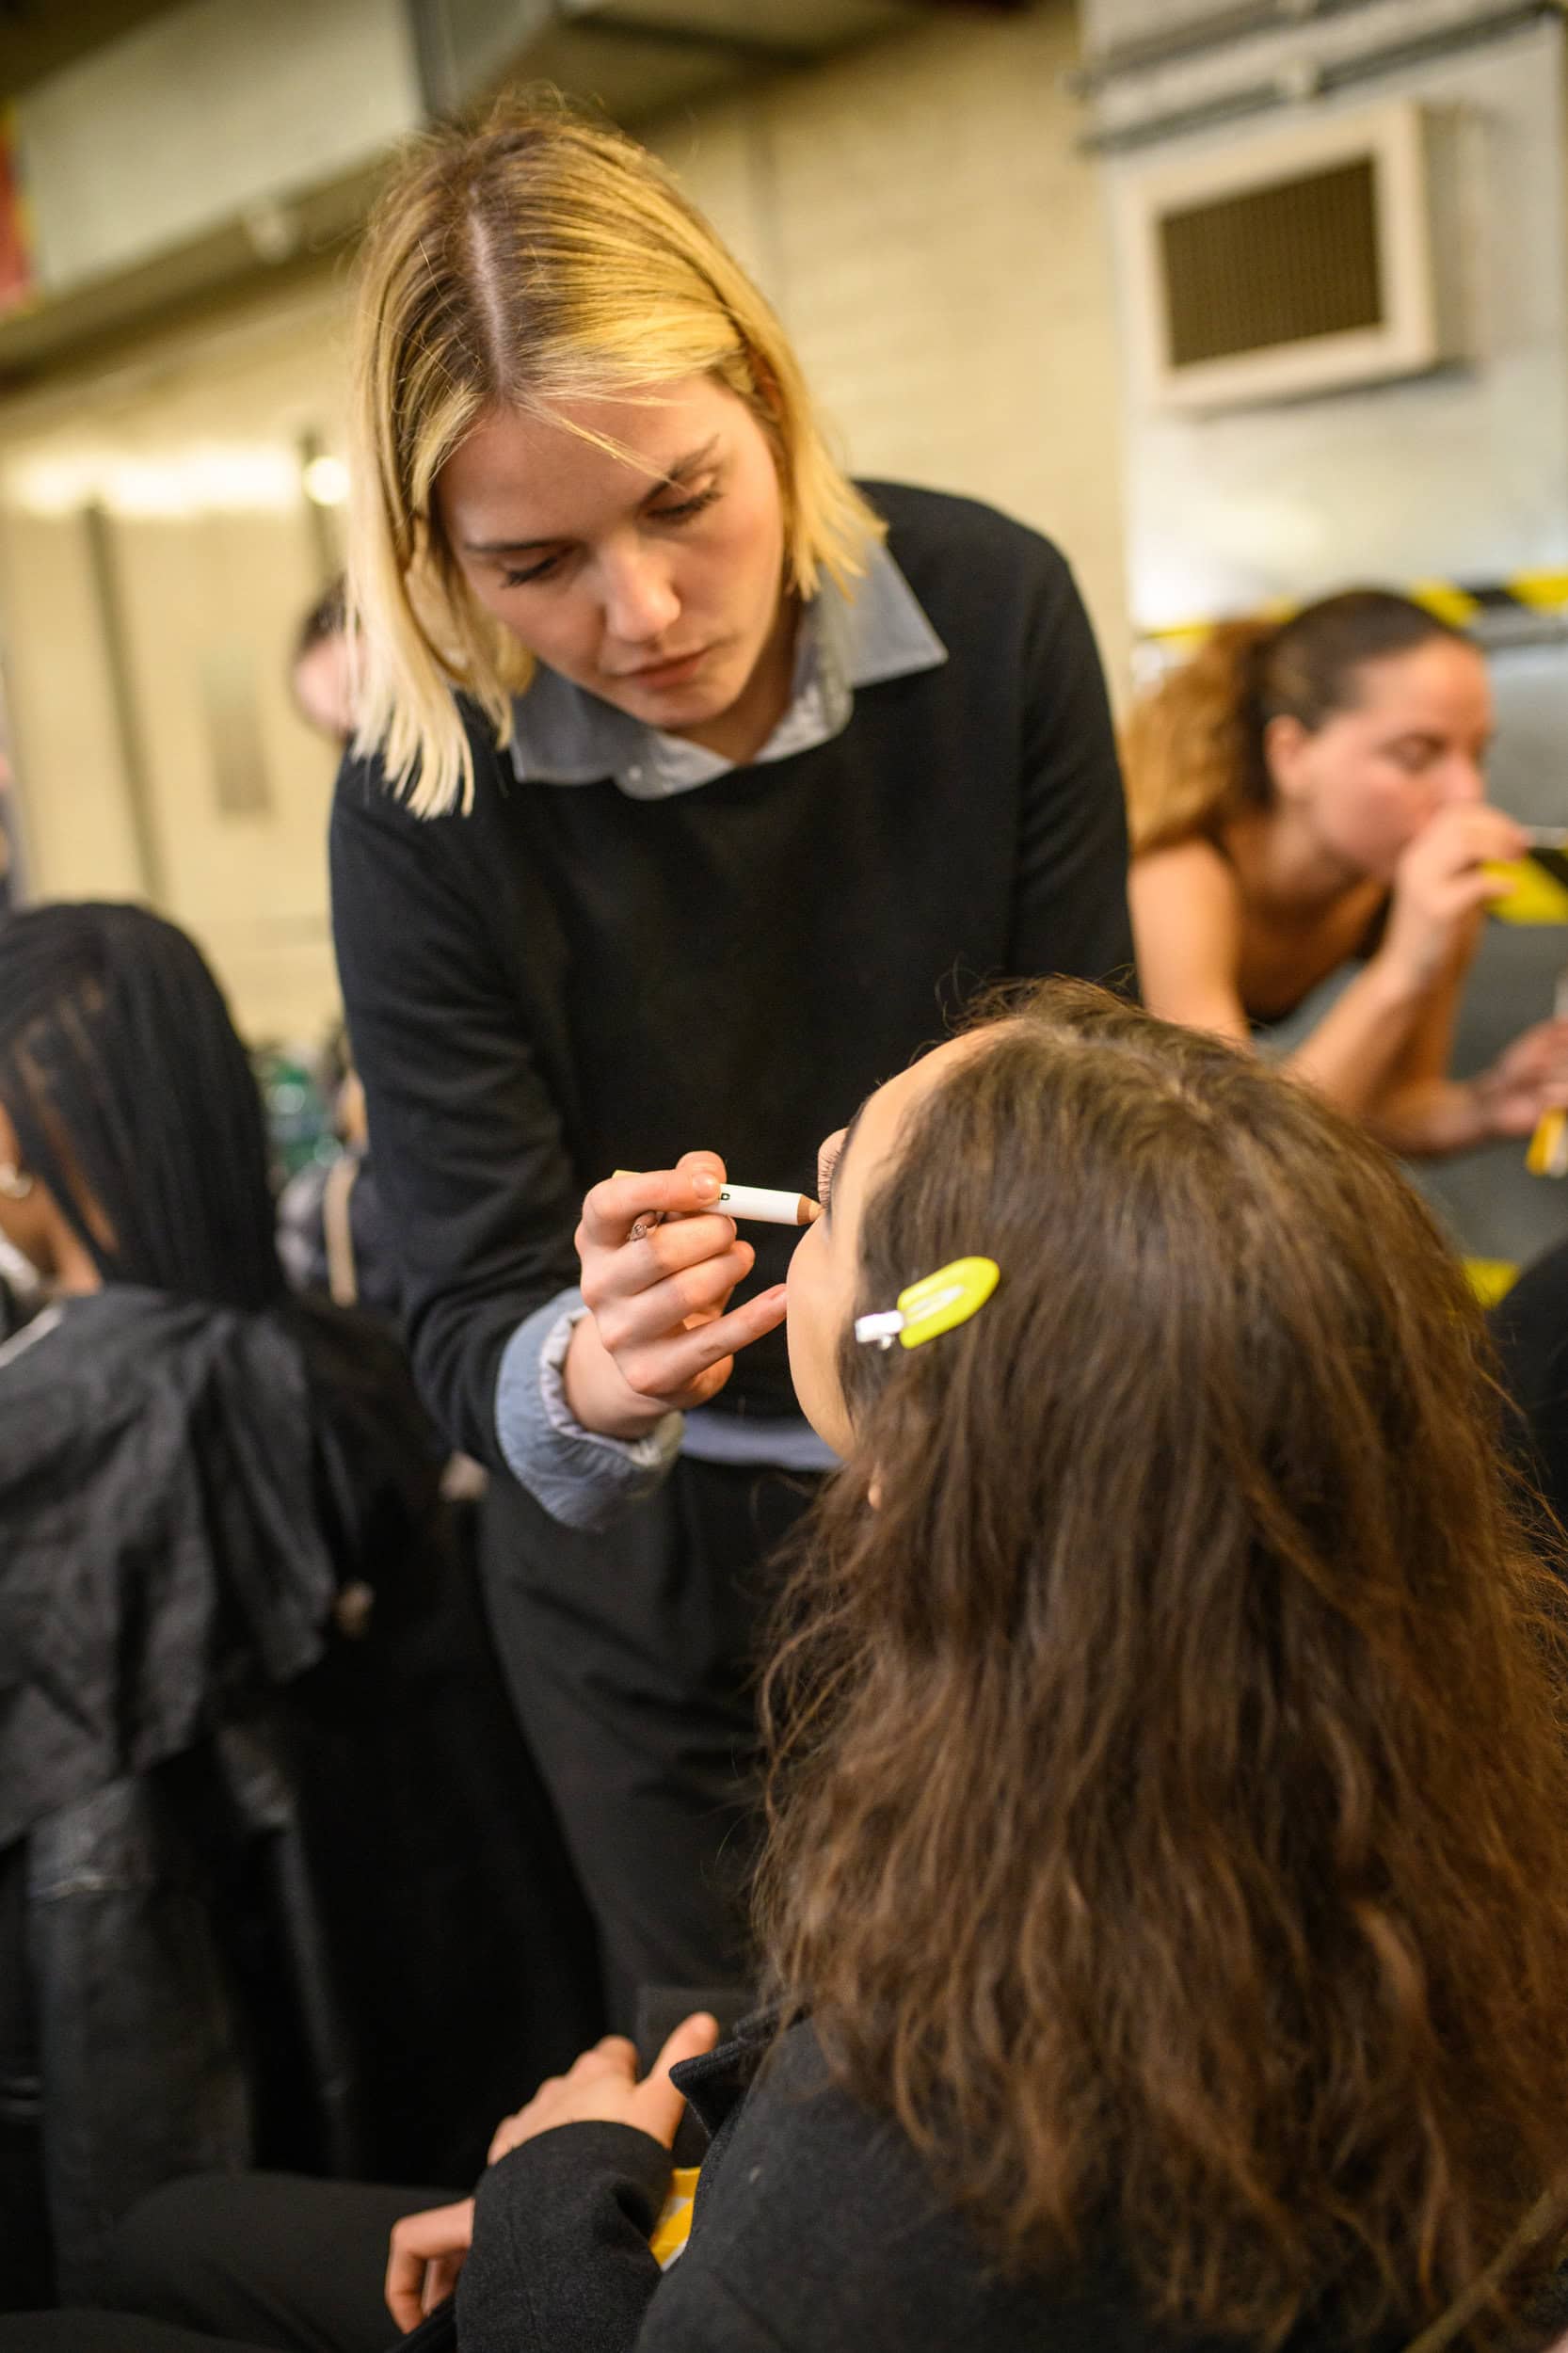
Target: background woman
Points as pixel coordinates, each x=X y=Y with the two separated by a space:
x=693 y=782
x=1312 y=793
x=243 y=1695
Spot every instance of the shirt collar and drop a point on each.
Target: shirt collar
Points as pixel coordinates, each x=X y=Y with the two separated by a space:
x=563 y=735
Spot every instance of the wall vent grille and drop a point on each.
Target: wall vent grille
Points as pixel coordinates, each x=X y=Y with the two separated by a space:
x=1321 y=254
x=1272 y=266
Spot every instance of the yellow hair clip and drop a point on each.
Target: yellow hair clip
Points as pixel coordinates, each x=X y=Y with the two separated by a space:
x=933 y=1305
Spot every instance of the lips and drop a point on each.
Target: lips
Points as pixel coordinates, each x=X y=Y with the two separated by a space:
x=671 y=673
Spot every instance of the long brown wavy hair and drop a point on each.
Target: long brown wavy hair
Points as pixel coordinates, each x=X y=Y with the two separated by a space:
x=1194 y=751
x=1169 y=1811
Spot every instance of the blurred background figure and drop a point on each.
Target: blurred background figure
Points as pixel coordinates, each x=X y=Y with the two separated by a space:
x=243 y=1692
x=331 y=1230
x=322 y=675
x=1311 y=794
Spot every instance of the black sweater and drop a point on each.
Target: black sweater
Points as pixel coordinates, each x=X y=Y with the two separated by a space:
x=816 y=2229
x=567 y=980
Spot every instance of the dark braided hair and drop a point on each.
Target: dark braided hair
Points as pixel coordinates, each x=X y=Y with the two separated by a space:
x=133 y=1100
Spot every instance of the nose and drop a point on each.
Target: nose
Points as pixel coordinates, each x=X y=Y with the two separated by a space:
x=1465 y=780
x=640 y=602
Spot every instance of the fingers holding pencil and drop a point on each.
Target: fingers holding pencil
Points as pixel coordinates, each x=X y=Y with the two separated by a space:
x=660 y=1261
x=629 y=1205
x=766 y=1204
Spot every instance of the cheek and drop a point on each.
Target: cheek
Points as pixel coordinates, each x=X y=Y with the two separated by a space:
x=547 y=626
x=721 y=581
x=1375 y=811
x=749 y=548
x=803 y=1285
x=493 y=598
x=811 y=1329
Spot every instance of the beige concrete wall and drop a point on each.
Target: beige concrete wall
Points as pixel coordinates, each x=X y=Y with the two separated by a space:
x=191 y=451
x=920 y=215
x=923 y=218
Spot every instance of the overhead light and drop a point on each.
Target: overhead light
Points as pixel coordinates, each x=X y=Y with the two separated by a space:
x=274 y=231
x=326 y=481
x=172 y=485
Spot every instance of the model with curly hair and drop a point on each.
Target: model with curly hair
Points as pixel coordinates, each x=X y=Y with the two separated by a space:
x=1166 y=1900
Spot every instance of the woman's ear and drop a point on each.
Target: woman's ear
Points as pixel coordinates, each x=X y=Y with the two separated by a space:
x=10 y=1159
x=24 y=1202
x=1285 y=747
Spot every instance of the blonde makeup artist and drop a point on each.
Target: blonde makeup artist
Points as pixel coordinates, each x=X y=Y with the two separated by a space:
x=696 y=785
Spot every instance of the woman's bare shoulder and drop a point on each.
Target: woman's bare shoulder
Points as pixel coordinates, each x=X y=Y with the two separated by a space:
x=1196 y=863
x=1187 y=917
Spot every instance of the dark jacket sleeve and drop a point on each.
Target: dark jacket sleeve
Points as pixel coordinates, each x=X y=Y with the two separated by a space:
x=1070 y=903
x=560 y=2261
x=467 y=1146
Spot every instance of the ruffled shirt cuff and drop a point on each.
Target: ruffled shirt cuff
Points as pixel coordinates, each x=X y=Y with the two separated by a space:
x=582 y=1477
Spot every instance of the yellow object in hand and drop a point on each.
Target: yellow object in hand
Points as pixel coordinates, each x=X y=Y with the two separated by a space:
x=1537 y=888
x=1548 y=1151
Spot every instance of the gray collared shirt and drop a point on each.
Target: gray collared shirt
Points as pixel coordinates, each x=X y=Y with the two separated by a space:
x=562 y=735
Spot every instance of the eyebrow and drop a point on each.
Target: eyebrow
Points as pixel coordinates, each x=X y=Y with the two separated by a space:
x=691 y=463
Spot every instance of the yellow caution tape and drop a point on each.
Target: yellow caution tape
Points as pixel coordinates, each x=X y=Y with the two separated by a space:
x=1460 y=602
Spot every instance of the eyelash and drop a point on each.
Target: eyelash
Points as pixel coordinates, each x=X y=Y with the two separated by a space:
x=688 y=510
x=827 y=1163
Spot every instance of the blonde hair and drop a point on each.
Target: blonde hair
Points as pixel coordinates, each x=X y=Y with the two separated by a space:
x=537 y=259
x=1193 y=750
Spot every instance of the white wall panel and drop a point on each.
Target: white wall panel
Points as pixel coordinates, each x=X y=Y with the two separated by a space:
x=1463 y=473
x=199 y=116
x=923 y=217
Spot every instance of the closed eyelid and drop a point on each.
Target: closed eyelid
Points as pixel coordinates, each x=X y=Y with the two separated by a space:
x=682 y=508
x=552 y=560
x=830 y=1158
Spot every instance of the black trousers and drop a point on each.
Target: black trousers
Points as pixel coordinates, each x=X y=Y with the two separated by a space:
x=234 y=2262
x=248 y=2262
x=631 y=1658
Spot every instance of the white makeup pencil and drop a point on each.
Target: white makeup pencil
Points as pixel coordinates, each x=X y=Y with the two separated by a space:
x=763 y=1202
x=767 y=1206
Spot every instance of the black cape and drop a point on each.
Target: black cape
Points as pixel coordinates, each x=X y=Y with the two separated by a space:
x=184 y=1489
x=220 y=1528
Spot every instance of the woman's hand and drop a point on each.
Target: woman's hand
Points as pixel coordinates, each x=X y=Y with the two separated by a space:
x=426 y=2254
x=658 y=1339
x=1528 y=1078
x=427 y=2249
x=1440 y=883
x=603 y=2089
